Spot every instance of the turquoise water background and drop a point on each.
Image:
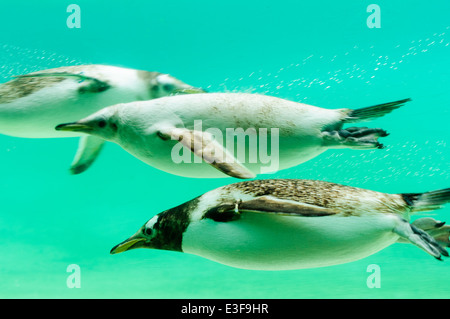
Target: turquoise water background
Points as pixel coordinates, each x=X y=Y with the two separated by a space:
x=321 y=53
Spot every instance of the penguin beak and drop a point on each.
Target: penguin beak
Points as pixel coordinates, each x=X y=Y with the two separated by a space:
x=135 y=241
x=190 y=90
x=74 y=127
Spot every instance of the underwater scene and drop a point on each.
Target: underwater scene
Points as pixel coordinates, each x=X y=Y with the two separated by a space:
x=355 y=97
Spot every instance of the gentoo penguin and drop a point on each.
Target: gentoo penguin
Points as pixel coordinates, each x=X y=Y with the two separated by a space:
x=232 y=132
x=283 y=224
x=32 y=104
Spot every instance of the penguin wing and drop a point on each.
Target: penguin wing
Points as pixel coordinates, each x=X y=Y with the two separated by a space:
x=90 y=84
x=88 y=149
x=267 y=205
x=206 y=147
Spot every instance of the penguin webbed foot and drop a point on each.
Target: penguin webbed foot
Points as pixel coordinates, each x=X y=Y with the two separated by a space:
x=436 y=229
x=421 y=239
x=356 y=138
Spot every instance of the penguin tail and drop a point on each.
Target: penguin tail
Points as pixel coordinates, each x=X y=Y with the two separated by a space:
x=422 y=202
x=371 y=112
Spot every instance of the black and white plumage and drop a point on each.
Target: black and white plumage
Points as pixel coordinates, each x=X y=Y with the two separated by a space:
x=293 y=132
x=31 y=105
x=284 y=224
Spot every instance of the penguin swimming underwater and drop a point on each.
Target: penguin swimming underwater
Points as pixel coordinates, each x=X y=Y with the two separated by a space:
x=31 y=105
x=283 y=224
x=291 y=132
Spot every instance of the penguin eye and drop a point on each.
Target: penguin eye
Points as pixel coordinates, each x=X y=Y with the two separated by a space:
x=148 y=231
x=101 y=123
x=168 y=87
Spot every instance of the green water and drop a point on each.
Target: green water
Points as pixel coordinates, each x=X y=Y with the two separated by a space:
x=320 y=53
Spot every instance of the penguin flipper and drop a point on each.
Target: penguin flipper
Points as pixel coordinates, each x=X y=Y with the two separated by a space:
x=88 y=149
x=267 y=205
x=206 y=147
x=273 y=205
x=92 y=84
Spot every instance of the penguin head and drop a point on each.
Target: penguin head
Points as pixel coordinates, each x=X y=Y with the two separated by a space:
x=165 y=85
x=157 y=233
x=163 y=231
x=103 y=123
x=143 y=238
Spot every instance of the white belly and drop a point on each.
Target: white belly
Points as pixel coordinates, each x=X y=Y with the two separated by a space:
x=170 y=157
x=270 y=242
